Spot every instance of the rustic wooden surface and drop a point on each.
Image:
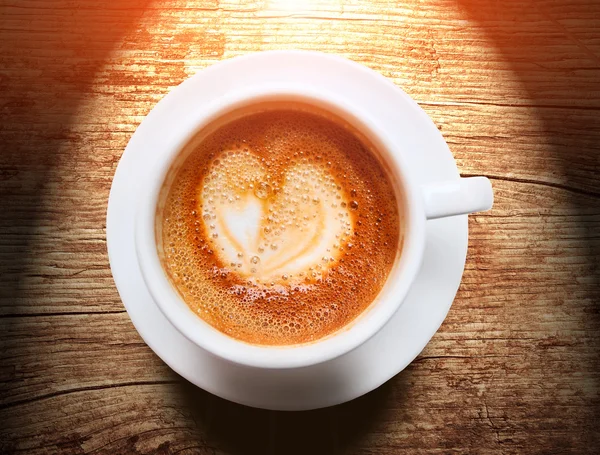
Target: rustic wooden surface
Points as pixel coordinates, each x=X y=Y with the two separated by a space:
x=514 y=87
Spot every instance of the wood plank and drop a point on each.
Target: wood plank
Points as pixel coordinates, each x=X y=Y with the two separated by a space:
x=49 y=355
x=438 y=405
x=432 y=48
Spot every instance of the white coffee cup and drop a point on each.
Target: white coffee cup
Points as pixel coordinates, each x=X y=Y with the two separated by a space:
x=419 y=204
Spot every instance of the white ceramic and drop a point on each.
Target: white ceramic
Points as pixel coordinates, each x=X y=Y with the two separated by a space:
x=307 y=376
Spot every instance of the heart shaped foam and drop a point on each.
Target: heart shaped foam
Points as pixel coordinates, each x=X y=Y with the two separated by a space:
x=269 y=230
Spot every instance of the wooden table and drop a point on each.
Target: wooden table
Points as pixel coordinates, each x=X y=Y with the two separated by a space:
x=513 y=85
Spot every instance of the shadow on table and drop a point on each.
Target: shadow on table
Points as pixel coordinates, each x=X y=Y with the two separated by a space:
x=568 y=61
x=239 y=430
x=49 y=54
x=47 y=65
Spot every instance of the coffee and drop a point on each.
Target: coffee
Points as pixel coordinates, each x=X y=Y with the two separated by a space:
x=278 y=225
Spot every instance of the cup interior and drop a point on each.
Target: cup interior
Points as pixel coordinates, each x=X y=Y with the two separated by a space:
x=153 y=187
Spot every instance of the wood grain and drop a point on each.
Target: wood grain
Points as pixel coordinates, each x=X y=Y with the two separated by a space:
x=514 y=88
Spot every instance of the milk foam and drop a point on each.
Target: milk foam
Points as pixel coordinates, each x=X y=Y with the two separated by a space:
x=271 y=231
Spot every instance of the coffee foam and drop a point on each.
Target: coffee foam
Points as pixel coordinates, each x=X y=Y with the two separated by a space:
x=280 y=227
x=274 y=231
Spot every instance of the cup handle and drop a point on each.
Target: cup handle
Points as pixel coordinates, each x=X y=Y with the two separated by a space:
x=457 y=197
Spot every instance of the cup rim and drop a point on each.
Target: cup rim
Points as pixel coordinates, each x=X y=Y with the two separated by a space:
x=345 y=339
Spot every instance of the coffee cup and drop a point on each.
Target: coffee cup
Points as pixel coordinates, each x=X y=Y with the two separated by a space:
x=419 y=204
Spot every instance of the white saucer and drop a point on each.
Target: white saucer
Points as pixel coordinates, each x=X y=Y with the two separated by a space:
x=409 y=330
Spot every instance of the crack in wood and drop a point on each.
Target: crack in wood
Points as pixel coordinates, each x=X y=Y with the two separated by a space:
x=62 y=313
x=558 y=186
x=508 y=105
x=82 y=389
